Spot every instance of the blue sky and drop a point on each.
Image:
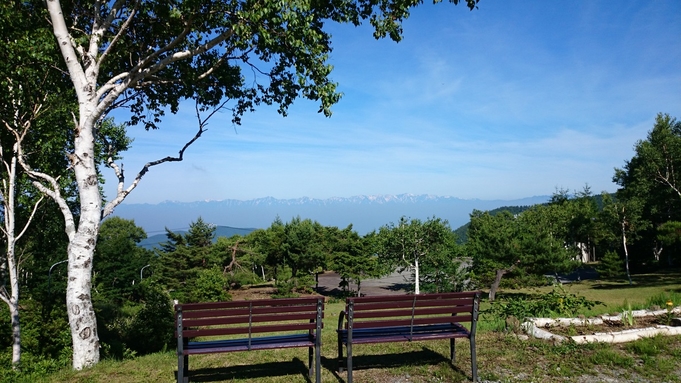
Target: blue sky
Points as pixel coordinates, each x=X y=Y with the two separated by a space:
x=512 y=100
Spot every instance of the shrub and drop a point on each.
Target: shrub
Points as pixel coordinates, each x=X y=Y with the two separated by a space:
x=210 y=286
x=151 y=329
x=556 y=303
x=242 y=278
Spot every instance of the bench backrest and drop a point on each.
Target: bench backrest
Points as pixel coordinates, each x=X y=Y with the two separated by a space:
x=249 y=317
x=412 y=310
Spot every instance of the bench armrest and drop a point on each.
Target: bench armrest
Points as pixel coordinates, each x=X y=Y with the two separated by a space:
x=341 y=317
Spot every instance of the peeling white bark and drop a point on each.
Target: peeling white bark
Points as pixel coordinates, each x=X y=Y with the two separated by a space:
x=627 y=335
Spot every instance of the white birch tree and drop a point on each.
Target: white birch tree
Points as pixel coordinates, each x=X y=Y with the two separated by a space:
x=33 y=96
x=409 y=243
x=10 y=266
x=149 y=56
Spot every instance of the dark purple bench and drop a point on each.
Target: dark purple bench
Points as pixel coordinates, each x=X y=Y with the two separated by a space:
x=406 y=318
x=249 y=325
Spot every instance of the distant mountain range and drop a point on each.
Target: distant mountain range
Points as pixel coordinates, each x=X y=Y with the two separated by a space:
x=365 y=213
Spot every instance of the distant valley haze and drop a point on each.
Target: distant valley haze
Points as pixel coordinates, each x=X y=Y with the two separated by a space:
x=365 y=213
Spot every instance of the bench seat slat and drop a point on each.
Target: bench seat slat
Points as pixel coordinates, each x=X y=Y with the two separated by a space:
x=402 y=333
x=261 y=343
x=190 y=333
x=408 y=321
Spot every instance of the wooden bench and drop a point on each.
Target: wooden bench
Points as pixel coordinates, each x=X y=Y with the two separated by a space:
x=406 y=318
x=249 y=325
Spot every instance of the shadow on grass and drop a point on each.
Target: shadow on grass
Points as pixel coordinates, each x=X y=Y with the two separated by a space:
x=386 y=361
x=660 y=279
x=404 y=287
x=255 y=371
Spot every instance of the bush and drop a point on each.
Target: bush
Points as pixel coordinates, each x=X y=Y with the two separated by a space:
x=210 y=286
x=33 y=367
x=556 y=303
x=152 y=328
x=242 y=278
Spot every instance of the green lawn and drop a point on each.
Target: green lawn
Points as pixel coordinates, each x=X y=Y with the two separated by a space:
x=501 y=356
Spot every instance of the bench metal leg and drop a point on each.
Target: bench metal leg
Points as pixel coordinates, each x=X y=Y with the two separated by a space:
x=318 y=364
x=349 y=364
x=309 y=362
x=340 y=355
x=185 y=370
x=474 y=364
x=180 y=369
x=452 y=350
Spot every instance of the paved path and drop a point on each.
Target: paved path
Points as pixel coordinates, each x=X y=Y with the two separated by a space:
x=396 y=284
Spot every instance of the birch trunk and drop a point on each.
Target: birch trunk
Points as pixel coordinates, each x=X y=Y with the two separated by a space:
x=417 y=289
x=81 y=249
x=11 y=298
x=626 y=251
x=83 y=236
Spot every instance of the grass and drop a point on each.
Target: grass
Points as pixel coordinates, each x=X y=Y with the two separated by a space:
x=502 y=356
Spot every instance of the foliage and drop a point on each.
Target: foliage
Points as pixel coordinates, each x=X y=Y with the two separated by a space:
x=628 y=314
x=418 y=245
x=119 y=259
x=446 y=272
x=611 y=265
x=354 y=257
x=242 y=278
x=558 y=302
x=211 y=286
x=669 y=232
x=183 y=257
x=128 y=328
x=661 y=299
x=651 y=180
x=303 y=247
x=492 y=243
x=151 y=329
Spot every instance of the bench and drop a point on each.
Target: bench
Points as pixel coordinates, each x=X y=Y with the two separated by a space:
x=248 y=325
x=406 y=318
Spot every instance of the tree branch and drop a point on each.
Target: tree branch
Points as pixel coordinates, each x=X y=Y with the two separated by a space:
x=123 y=192
x=123 y=28
x=53 y=191
x=66 y=46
